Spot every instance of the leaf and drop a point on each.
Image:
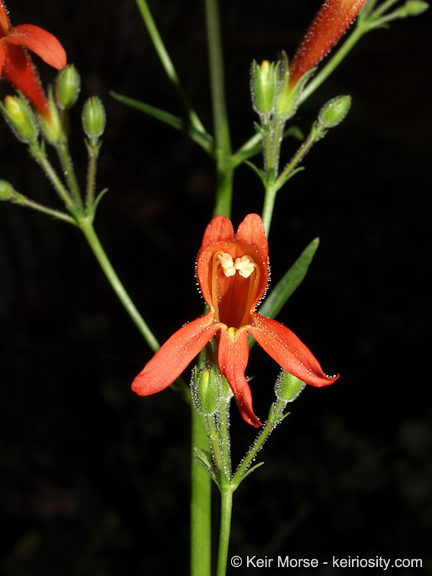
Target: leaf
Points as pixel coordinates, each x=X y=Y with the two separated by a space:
x=203 y=458
x=258 y=171
x=252 y=469
x=201 y=138
x=277 y=298
x=96 y=203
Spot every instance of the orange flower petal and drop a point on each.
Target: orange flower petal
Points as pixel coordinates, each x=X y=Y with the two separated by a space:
x=21 y=73
x=174 y=356
x=251 y=231
x=288 y=351
x=41 y=42
x=328 y=26
x=232 y=359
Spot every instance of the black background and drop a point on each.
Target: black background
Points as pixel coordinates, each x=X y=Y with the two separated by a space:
x=95 y=480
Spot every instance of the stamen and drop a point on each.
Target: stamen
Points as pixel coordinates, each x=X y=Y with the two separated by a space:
x=253 y=286
x=227 y=263
x=244 y=266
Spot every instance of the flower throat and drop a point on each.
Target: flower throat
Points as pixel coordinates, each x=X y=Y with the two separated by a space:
x=234 y=305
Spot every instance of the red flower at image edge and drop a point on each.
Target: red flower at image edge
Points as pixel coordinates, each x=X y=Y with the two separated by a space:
x=233 y=273
x=15 y=63
x=327 y=27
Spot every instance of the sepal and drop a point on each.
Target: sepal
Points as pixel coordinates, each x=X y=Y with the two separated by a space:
x=412 y=8
x=334 y=111
x=288 y=92
x=264 y=86
x=51 y=124
x=93 y=117
x=288 y=388
x=7 y=191
x=20 y=117
x=68 y=86
x=206 y=391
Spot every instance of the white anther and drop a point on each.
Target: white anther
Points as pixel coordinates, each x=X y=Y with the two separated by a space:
x=244 y=266
x=227 y=264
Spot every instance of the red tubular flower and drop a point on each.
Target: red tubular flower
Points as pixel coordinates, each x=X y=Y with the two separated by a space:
x=232 y=272
x=15 y=63
x=330 y=23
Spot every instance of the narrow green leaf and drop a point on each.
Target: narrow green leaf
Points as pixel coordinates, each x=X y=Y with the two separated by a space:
x=96 y=203
x=277 y=298
x=203 y=139
x=252 y=469
x=203 y=459
x=258 y=171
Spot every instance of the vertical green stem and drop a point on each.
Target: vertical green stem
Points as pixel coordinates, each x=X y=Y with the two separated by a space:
x=269 y=202
x=225 y=528
x=87 y=229
x=200 y=503
x=224 y=164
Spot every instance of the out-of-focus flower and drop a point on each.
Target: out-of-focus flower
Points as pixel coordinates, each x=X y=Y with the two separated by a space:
x=15 y=63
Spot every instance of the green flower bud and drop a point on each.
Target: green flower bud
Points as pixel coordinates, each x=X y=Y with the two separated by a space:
x=52 y=125
x=288 y=387
x=264 y=86
x=332 y=113
x=68 y=85
x=93 y=117
x=207 y=391
x=412 y=8
x=19 y=115
x=7 y=191
x=289 y=93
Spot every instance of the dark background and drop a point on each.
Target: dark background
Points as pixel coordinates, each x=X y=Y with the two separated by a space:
x=94 y=481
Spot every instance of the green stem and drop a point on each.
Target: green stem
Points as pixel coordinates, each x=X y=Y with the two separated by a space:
x=200 y=503
x=225 y=528
x=274 y=418
x=87 y=229
x=317 y=132
x=93 y=154
x=69 y=172
x=167 y=62
x=222 y=154
x=225 y=440
x=268 y=207
x=50 y=211
x=39 y=154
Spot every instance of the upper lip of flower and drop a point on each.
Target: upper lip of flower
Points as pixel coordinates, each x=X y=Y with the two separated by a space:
x=232 y=272
x=15 y=63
